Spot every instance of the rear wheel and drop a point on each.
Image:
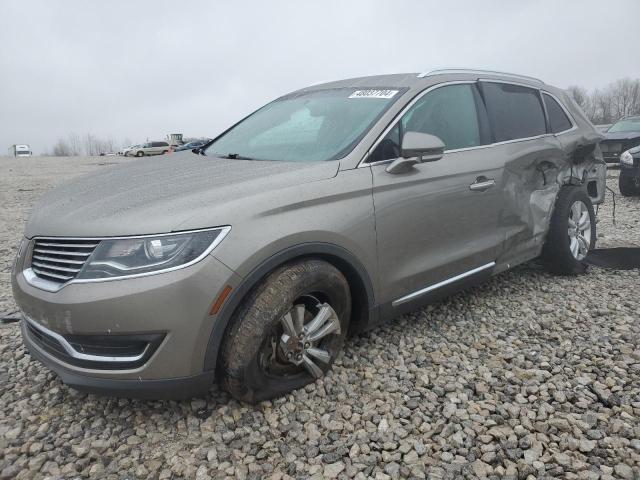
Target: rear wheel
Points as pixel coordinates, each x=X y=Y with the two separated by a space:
x=572 y=233
x=287 y=332
x=629 y=186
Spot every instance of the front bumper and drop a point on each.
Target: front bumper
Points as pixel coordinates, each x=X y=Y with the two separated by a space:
x=630 y=171
x=171 y=309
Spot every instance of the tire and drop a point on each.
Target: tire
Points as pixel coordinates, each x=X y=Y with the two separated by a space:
x=164 y=152
x=254 y=361
x=139 y=154
x=629 y=186
x=557 y=254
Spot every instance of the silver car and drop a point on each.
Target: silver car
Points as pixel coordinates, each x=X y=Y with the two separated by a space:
x=147 y=149
x=325 y=212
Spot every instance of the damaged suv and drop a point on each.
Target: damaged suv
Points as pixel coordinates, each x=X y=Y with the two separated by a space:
x=323 y=213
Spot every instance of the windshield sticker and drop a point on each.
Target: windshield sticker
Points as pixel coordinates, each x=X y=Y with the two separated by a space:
x=373 y=94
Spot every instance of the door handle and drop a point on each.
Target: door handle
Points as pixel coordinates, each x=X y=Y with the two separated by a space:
x=481 y=184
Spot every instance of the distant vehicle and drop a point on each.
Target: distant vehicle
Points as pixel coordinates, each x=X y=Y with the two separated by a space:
x=147 y=149
x=629 y=180
x=20 y=151
x=620 y=137
x=192 y=145
x=127 y=149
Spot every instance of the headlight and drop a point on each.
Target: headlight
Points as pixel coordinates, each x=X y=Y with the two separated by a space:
x=626 y=158
x=123 y=257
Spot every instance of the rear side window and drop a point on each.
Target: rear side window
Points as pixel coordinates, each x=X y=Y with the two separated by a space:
x=558 y=120
x=514 y=111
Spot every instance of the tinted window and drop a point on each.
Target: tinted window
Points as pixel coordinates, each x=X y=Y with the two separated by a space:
x=558 y=120
x=447 y=112
x=514 y=111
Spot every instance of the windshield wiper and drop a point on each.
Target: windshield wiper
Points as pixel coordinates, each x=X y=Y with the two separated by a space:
x=235 y=156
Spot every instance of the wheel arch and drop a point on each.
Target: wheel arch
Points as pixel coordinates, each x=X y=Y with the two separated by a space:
x=364 y=311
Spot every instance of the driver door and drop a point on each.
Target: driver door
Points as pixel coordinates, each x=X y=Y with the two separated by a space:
x=437 y=224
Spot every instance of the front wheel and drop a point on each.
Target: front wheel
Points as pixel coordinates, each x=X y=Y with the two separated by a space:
x=572 y=233
x=629 y=186
x=140 y=154
x=287 y=332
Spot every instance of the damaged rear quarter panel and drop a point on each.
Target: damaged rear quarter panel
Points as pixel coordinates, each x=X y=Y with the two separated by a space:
x=535 y=170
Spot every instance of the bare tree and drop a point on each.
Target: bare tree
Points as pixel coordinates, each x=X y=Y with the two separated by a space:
x=61 y=148
x=611 y=103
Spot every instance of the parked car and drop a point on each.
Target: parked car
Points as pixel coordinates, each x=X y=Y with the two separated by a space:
x=192 y=145
x=147 y=149
x=323 y=213
x=629 y=180
x=126 y=150
x=621 y=136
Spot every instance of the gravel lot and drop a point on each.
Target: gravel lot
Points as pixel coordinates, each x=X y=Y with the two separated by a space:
x=529 y=376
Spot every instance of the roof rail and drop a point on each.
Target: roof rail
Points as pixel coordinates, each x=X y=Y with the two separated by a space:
x=446 y=71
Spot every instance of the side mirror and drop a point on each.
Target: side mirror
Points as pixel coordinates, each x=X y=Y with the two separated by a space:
x=416 y=148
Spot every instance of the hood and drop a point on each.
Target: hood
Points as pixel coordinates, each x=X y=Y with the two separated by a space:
x=158 y=194
x=620 y=135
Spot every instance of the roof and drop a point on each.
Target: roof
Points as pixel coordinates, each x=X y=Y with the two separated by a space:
x=410 y=80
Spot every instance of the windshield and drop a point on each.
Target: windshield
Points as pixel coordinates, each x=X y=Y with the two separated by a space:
x=312 y=126
x=626 y=125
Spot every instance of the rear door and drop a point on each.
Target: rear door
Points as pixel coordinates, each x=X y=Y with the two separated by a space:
x=532 y=155
x=438 y=223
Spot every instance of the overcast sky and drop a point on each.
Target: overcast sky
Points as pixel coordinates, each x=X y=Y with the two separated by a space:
x=142 y=69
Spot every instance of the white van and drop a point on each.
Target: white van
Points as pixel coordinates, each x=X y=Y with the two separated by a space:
x=20 y=151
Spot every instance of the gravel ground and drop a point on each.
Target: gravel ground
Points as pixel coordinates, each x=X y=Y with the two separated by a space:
x=528 y=376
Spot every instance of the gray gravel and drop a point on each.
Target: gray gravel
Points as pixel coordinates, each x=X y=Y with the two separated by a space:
x=529 y=376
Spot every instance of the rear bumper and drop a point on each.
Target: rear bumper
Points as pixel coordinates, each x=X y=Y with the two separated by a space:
x=169 y=389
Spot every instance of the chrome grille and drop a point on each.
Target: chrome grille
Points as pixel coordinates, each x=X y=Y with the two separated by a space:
x=60 y=260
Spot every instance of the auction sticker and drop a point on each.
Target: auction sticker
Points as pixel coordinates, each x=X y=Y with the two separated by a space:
x=373 y=94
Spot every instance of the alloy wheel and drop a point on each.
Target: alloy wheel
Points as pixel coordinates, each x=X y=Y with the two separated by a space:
x=579 y=229
x=299 y=342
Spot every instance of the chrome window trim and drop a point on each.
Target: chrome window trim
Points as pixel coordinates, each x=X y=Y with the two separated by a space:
x=35 y=281
x=72 y=352
x=363 y=163
x=443 y=283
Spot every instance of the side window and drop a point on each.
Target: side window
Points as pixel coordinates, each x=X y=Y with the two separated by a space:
x=514 y=111
x=558 y=120
x=447 y=112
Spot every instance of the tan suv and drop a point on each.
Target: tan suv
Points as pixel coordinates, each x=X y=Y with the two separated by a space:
x=324 y=213
x=148 y=149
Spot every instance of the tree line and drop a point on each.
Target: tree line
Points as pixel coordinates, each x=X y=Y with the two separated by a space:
x=609 y=104
x=601 y=105
x=87 y=144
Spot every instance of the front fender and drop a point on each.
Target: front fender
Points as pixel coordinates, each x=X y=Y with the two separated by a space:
x=344 y=260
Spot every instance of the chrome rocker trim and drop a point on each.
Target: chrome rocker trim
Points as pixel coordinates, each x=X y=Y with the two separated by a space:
x=435 y=286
